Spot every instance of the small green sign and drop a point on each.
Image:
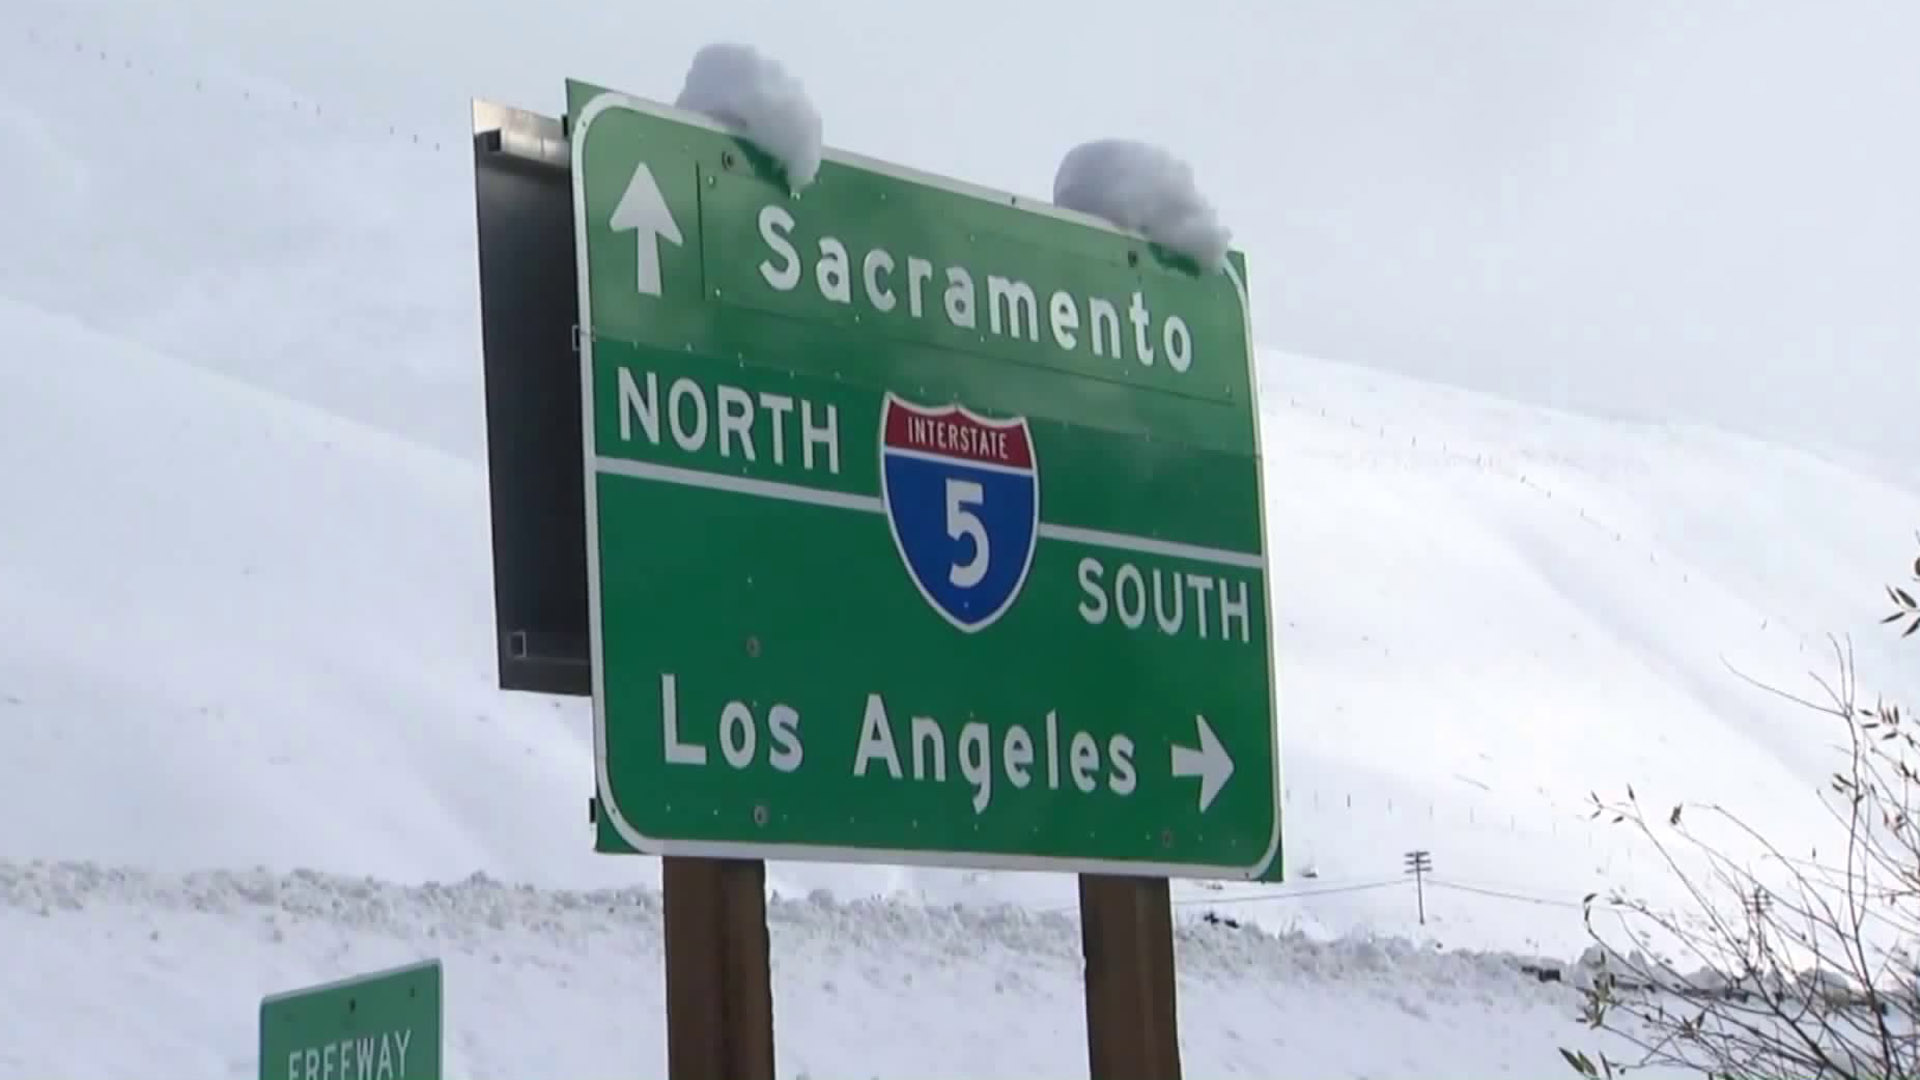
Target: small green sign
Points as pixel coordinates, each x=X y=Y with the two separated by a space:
x=380 y=1026
x=924 y=523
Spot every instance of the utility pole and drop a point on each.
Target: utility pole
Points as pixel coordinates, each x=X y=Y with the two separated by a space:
x=1420 y=864
x=1757 y=906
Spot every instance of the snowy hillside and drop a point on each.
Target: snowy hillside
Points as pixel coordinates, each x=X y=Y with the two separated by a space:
x=244 y=572
x=205 y=730
x=268 y=606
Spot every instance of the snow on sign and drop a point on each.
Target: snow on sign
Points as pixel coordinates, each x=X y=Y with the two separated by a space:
x=924 y=523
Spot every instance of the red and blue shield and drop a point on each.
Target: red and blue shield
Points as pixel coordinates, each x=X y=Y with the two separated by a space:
x=962 y=495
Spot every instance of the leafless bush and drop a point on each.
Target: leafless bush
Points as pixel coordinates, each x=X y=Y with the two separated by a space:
x=1799 y=967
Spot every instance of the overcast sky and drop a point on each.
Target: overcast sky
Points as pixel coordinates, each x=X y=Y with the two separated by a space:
x=1679 y=210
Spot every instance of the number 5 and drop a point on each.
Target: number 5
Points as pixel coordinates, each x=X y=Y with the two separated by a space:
x=961 y=522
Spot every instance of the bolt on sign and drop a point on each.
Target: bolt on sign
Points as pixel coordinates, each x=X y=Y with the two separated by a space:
x=384 y=1025
x=924 y=522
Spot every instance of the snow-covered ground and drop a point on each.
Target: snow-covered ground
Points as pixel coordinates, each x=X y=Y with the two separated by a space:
x=549 y=983
x=248 y=722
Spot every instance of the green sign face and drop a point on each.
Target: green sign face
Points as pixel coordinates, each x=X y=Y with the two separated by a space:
x=380 y=1026
x=924 y=523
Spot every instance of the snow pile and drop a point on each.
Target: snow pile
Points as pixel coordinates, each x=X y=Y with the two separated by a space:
x=1143 y=188
x=751 y=93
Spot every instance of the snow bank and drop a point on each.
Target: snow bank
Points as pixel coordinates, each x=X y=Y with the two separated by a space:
x=559 y=983
x=753 y=94
x=1141 y=187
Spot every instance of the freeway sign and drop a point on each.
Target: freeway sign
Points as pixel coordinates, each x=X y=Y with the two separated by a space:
x=924 y=522
x=384 y=1025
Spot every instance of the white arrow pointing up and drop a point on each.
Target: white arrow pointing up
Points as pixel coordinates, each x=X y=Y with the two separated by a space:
x=642 y=209
x=1210 y=763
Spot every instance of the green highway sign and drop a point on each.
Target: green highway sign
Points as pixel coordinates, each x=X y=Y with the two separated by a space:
x=380 y=1026
x=924 y=523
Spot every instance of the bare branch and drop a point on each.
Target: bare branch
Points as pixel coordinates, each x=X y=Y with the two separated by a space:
x=1800 y=966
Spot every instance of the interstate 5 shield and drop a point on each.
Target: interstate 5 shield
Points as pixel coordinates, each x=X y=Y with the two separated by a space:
x=963 y=500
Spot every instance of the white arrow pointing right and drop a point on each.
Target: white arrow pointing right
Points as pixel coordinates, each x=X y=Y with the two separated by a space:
x=1210 y=763
x=643 y=210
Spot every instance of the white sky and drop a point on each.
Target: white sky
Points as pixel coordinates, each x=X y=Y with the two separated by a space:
x=1700 y=211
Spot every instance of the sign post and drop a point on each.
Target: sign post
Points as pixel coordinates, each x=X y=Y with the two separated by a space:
x=1126 y=933
x=384 y=1025
x=923 y=525
x=719 y=970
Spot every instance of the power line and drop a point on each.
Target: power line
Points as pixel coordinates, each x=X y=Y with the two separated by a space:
x=1425 y=875
x=1502 y=894
x=1260 y=898
x=1264 y=898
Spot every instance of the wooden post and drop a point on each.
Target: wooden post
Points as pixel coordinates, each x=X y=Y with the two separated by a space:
x=1126 y=936
x=719 y=975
